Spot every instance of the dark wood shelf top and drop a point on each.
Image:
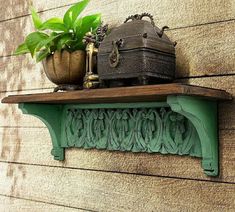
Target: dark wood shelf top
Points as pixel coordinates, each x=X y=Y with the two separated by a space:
x=121 y=94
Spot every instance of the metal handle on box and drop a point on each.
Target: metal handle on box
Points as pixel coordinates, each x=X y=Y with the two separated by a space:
x=115 y=55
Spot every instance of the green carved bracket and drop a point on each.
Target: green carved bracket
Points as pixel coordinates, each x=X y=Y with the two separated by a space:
x=203 y=115
x=50 y=115
x=183 y=125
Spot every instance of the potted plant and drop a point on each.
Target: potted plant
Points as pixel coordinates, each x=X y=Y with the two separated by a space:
x=58 y=44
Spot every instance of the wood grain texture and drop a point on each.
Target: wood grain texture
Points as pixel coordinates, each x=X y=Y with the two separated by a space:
x=200 y=51
x=8 y=204
x=33 y=146
x=226 y=109
x=121 y=94
x=15 y=30
x=12 y=116
x=20 y=73
x=203 y=50
x=17 y=8
x=174 y=13
x=113 y=192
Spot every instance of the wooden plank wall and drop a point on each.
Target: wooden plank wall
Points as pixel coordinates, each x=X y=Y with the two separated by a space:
x=30 y=180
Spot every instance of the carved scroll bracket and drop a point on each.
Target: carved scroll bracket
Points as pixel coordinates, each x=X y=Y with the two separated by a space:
x=50 y=115
x=203 y=115
x=183 y=125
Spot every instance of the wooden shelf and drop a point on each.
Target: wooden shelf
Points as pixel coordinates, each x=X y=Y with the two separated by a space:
x=123 y=94
x=168 y=118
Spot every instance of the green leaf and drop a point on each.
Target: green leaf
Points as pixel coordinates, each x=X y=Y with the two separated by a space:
x=77 y=46
x=46 y=42
x=73 y=12
x=55 y=24
x=77 y=24
x=22 y=49
x=36 y=19
x=54 y=33
x=33 y=39
x=64 y=40
x=89 y=23
x=42 y=55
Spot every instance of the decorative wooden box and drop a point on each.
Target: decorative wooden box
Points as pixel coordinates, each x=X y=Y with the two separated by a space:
x=169 y=119
x=137 y=52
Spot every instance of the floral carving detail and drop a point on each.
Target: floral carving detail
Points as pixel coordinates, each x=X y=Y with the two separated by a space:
x=137 y=130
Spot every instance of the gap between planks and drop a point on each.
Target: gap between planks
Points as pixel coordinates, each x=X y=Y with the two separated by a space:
x=44 y=202
x=114 y=192
x=116 y=172
x=50 y=89
x=202 y=24
x=20 y=146
x=172 y=29
x=41 y=11
x=67 y=5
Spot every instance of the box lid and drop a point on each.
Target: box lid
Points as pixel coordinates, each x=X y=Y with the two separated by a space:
x=137 y=34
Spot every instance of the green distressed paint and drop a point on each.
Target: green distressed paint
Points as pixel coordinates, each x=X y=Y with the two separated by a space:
x=203 y=115
x=182 y=125
x=50 y=115
x=130 y=129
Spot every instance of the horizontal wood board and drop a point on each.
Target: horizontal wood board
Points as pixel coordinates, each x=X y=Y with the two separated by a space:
x=196 y=46
x=121 y=94
x=102 y=191
x=12 y=116
x=173 y=13
x=33 y=146
x=204 y=31
x=12 y=204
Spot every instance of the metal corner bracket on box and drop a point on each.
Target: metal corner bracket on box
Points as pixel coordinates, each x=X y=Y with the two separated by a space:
x=182 y=125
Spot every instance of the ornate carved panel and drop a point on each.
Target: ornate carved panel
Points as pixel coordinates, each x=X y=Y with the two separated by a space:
x=131 y=129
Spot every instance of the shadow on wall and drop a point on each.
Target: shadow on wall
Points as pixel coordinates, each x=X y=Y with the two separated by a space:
x=18 y=72
x=11 y=79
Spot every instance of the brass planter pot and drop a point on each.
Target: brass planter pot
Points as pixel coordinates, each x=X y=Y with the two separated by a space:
x=66 y=69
